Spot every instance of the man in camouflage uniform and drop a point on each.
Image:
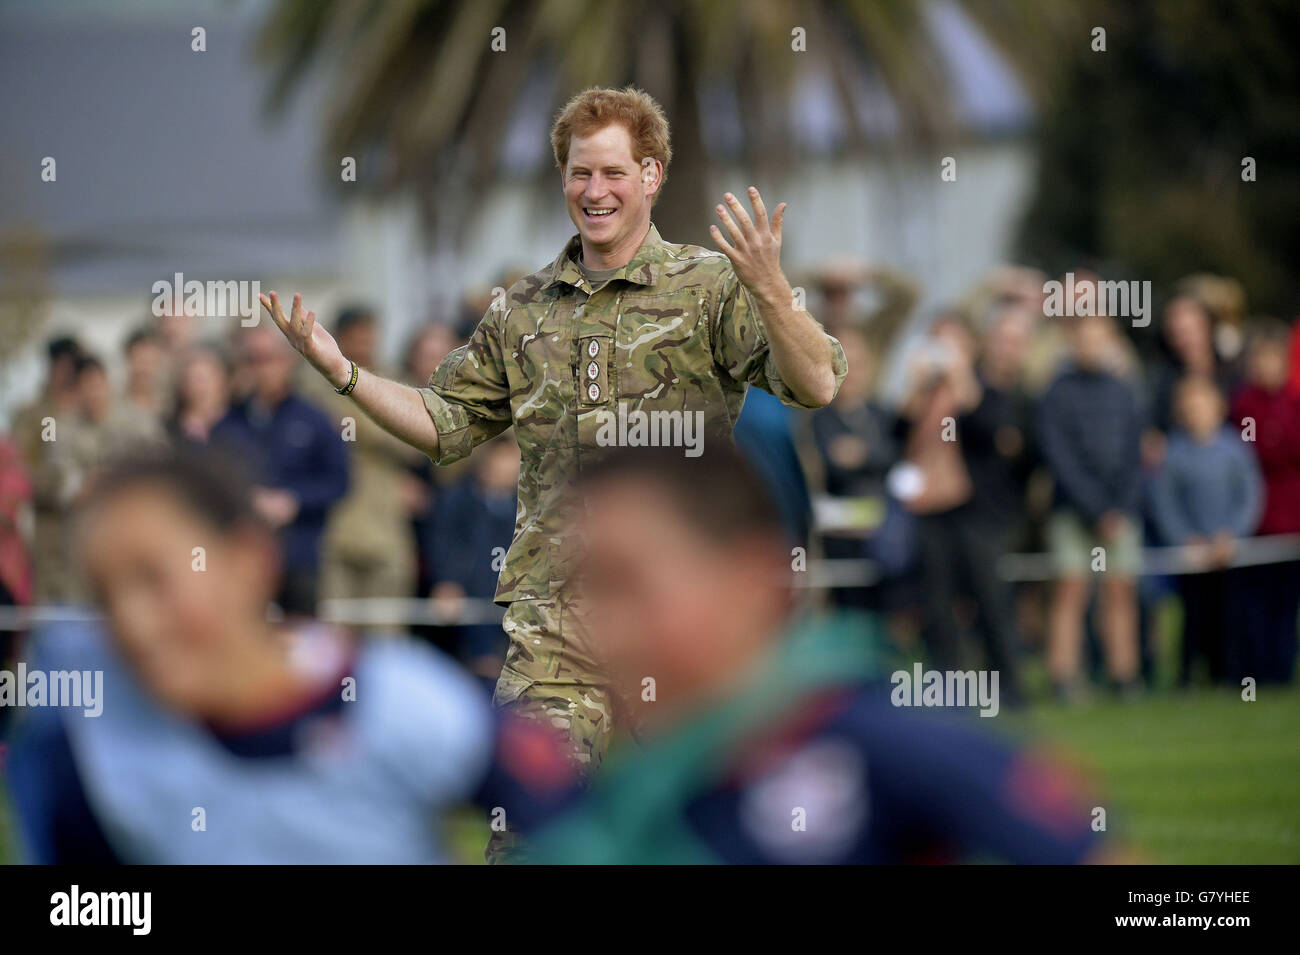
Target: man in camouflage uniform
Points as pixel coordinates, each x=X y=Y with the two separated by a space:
x=35 y=428
x=621 y=318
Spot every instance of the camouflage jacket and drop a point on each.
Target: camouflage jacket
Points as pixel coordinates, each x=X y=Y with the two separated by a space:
x=673 y=331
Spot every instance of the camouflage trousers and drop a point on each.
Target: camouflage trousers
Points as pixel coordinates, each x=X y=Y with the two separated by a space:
x=549 y=676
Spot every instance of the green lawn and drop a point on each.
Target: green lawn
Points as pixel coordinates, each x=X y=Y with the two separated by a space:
x=1198 y=777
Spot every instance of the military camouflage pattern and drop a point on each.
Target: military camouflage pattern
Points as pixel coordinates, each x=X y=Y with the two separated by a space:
x=673 y=330
x=549 y=676
x=61 y=469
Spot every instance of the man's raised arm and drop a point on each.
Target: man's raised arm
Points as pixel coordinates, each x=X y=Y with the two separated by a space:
x=802 y=351
x=395 y=407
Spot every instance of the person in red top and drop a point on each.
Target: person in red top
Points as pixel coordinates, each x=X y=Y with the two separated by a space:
x=1293 y=382
x=1266 y=409
x=15 y=494
x=15 y=561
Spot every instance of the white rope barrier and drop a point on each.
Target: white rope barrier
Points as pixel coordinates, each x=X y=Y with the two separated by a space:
x=821 y=574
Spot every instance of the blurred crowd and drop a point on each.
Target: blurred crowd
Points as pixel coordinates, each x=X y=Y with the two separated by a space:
x=958 y=438
x=1089 y=442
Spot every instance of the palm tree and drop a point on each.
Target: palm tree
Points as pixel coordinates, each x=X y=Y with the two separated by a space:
x=420 y=93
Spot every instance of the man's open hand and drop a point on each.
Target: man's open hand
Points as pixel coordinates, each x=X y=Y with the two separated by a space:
x=755 y=246
x=310 y=339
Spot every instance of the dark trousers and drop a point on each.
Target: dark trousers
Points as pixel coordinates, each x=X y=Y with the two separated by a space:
x=1261 y=631
x=1206 y=605
x=959 y=553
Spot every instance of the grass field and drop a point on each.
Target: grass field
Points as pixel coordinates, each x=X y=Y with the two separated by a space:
x=1198 y=777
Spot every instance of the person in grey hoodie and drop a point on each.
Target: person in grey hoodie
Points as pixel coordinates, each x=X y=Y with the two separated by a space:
x=1208 y=494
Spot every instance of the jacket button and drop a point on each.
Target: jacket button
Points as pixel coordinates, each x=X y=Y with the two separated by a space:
x=593 y=348
x=593 y=370
x=593 y=391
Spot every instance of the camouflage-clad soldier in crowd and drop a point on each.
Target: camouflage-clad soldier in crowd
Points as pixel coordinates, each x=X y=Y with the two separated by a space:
x=74 y=446
x=620 y=322
x=35 y=427
x=369 y=547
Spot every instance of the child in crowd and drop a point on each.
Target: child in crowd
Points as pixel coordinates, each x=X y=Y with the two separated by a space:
x=1208 y=494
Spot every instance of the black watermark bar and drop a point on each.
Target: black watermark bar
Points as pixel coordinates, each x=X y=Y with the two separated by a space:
x=131 y=905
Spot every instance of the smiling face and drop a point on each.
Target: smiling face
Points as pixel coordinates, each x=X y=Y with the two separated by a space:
x=608 y=194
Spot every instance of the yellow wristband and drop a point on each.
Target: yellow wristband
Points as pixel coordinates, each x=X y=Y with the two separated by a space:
x=352 y=382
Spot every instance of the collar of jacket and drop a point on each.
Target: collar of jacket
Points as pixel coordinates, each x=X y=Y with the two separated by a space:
x=643 y=269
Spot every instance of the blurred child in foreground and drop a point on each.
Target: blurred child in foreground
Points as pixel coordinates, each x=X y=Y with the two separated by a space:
x=768 y=739
x=225 y=738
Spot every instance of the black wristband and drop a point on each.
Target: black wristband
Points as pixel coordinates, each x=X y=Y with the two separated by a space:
x=352 y=382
